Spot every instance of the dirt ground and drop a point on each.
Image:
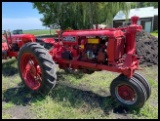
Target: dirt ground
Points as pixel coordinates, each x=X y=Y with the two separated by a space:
x=147 y=48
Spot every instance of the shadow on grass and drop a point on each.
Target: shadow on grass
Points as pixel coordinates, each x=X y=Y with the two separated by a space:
x=8 y=69
x=75 y=97
x=17 y=95
x=61 y=75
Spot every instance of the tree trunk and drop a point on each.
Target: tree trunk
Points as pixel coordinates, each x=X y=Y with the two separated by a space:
x=90 y=15
x=96 y=26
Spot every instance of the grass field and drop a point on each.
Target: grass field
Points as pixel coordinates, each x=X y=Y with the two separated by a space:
x=79 y=95
x=154 y=33
x=39 y=32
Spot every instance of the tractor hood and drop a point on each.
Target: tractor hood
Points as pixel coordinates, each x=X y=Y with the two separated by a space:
x=104 y=32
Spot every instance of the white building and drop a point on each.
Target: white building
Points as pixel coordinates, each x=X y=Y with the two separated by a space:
x=148 y=18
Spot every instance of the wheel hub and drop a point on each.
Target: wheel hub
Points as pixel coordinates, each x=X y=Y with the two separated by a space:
x=31 y=71
x=126 y=92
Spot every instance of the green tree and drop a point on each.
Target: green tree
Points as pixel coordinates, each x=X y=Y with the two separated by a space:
x=79 y=15
x=144 y=4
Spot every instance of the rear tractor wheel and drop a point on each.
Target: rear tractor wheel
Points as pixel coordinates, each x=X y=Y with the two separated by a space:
x=36 y=68
x=130 y=93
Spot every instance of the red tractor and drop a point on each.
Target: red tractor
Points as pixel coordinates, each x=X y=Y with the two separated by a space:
x=88 y=51
x=12 y=43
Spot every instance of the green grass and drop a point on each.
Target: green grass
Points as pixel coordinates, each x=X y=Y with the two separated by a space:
x=154 y=33
x=39 y=32
x=7 y=105
x=84 y=96
x=5 y=116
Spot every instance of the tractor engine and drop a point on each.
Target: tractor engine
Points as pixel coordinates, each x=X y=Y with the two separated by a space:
x=94 y=49
x=85 y=48
x=103 y=47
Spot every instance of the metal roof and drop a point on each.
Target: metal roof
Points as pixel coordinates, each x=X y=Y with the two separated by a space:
x=156 y=11
x=141 y=12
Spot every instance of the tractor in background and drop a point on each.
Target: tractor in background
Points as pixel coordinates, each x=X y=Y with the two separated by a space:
x=11 y=43
x=18 y=31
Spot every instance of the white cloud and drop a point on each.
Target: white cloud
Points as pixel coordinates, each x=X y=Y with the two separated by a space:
x=21 y=23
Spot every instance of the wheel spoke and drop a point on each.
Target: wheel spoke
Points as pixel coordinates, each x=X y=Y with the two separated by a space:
x=29 y=70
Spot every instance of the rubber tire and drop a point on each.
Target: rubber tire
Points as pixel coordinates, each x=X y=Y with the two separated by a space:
x=44 y=45
x=135 y=84
x=145 y=83
x=46 y=64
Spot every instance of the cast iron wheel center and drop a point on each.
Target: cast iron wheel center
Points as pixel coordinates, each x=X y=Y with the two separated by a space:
x=126 y=94
x=31 y=71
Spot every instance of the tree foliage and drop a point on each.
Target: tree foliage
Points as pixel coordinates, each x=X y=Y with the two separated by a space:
x=144 y=4
x=79 y=15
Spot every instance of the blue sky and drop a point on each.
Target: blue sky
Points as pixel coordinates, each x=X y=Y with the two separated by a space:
x=20 y=15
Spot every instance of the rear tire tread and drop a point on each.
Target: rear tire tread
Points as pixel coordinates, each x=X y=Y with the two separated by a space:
x=46 y=63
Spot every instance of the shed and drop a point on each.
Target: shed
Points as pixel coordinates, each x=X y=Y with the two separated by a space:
x=148 y=18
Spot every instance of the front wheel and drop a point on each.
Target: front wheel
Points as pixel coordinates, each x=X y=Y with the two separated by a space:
x=145 y=83
x=128 y=92
x=36 y=68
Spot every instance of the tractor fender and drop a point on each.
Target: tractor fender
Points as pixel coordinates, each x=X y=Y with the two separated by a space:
x=4 y=46
x=48 y=40
x=4 y=50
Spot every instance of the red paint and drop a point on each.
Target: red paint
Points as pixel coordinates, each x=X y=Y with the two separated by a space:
x=126 y=92
x=111 y=51
x=5 y=46
x=48 y=40
x=30 y=71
